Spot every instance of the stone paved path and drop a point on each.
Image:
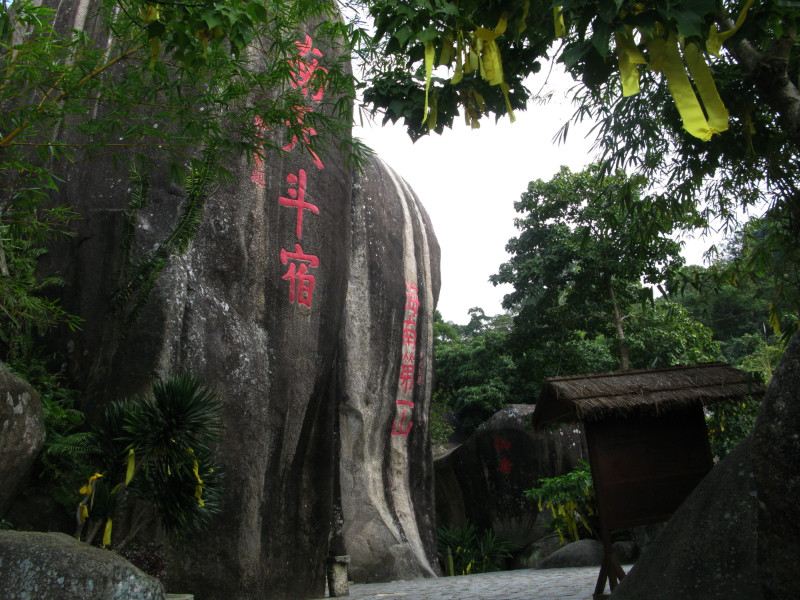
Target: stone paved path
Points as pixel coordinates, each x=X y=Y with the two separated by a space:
x=523 y=584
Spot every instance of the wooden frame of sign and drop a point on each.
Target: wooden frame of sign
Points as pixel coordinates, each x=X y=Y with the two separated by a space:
x=647 y=440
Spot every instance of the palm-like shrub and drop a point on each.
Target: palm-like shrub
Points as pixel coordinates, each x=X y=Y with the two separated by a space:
x=156 y=449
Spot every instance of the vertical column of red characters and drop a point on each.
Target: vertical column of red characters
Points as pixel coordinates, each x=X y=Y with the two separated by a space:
x=298 y=262
x=404 y=403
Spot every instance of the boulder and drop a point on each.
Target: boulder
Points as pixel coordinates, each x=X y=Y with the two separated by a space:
x=55 y=565
x=386 y=474
x=21 y=433
x=261 y=308
x=253 y=308
x=482 y=481
x=583 y=553
x=776 y=465
x=707 y=550
x=540 y=550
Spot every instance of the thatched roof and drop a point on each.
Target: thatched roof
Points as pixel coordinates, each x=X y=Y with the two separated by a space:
x=592 y=397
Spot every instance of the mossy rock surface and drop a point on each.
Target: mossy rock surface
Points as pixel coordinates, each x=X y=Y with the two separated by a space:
x=42 y=566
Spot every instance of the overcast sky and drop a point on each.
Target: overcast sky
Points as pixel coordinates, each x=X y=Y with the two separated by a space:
x=468 y=180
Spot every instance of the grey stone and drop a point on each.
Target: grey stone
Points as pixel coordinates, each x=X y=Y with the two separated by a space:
x=55 y=566
x=583 y=553
x=541 y=549
x=224 y=311
x=21 y=433
x=482 y=481
x=707 y=550
x=776 y=465
x=386 y=474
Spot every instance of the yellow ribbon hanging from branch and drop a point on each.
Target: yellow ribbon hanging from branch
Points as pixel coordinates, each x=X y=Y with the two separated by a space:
x=717 y=38
x=490 y=61
x=107 y=533
x=665 y=58
x=706 y=88
x=628 y=56
x=430 y=51
x=198 y=489
x=558 y=22
x=131 y=466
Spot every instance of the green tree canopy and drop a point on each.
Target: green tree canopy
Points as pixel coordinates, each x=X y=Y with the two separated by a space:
x=582 y=251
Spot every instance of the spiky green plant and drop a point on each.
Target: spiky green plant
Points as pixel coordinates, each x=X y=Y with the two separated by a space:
x=156 y=449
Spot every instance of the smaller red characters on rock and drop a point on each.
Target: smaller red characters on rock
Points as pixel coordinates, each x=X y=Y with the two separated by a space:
x=307 y=133
x=504 y=465
x=409 y=333
x=297 y=199
x=306 y=67
x=257 y=176
x=301 y=282
x=407 y=377
x=402 y=422
x=412 y=302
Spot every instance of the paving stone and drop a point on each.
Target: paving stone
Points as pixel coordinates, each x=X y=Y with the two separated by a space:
x=523 y=584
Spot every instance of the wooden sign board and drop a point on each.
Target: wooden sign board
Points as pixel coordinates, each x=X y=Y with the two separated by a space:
x=644 y=467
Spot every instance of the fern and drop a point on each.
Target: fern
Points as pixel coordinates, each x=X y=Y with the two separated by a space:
x=71 y=446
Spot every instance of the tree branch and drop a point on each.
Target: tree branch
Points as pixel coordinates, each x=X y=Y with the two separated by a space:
x=769 y=71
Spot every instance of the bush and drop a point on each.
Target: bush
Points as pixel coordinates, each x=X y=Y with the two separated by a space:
x=570 y=499
x=463 y=550
x=155 y=449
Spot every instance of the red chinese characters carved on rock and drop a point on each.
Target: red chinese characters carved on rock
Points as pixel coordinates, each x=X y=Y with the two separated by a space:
x=297 y=199
x=303 y=77
x=301 y=282
x=303 y=72
x=404 y=406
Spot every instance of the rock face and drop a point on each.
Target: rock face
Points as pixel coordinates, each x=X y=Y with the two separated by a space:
x=386 y=473
x=21 y=433
x=707 y=550
x=776 y=464
x=482 y=481
x=55 y=565
x=583 y=553
x=255 y=308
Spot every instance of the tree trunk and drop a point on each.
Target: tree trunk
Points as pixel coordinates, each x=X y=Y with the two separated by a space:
x=624 y=352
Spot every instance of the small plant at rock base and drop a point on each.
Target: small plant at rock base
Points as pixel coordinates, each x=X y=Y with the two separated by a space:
x=464 y=550
x=570 y=499
x=156 y=450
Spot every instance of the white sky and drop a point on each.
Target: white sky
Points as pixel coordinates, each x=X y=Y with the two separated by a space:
x=468 y=181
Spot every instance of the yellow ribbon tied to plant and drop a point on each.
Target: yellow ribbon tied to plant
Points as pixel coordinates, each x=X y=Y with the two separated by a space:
x=558 y=22
x=628 y=56
x=665 y=58
x=131 y=466
x=87 y=489
x=430 y=52
x=717 y=38
x=198 y=489
x=107 y=533
x=491 y=63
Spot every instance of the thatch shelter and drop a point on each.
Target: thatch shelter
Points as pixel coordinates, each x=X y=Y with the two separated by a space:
x=646 y=391
x=647 y=438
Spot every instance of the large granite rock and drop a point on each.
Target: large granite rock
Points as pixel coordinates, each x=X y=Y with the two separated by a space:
x=54 y=565
x=707 y=550
x=482 y=481
x=21 y=433
x=386 y=465
x=256 y=309
x=776 y=464
x=583 y=553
